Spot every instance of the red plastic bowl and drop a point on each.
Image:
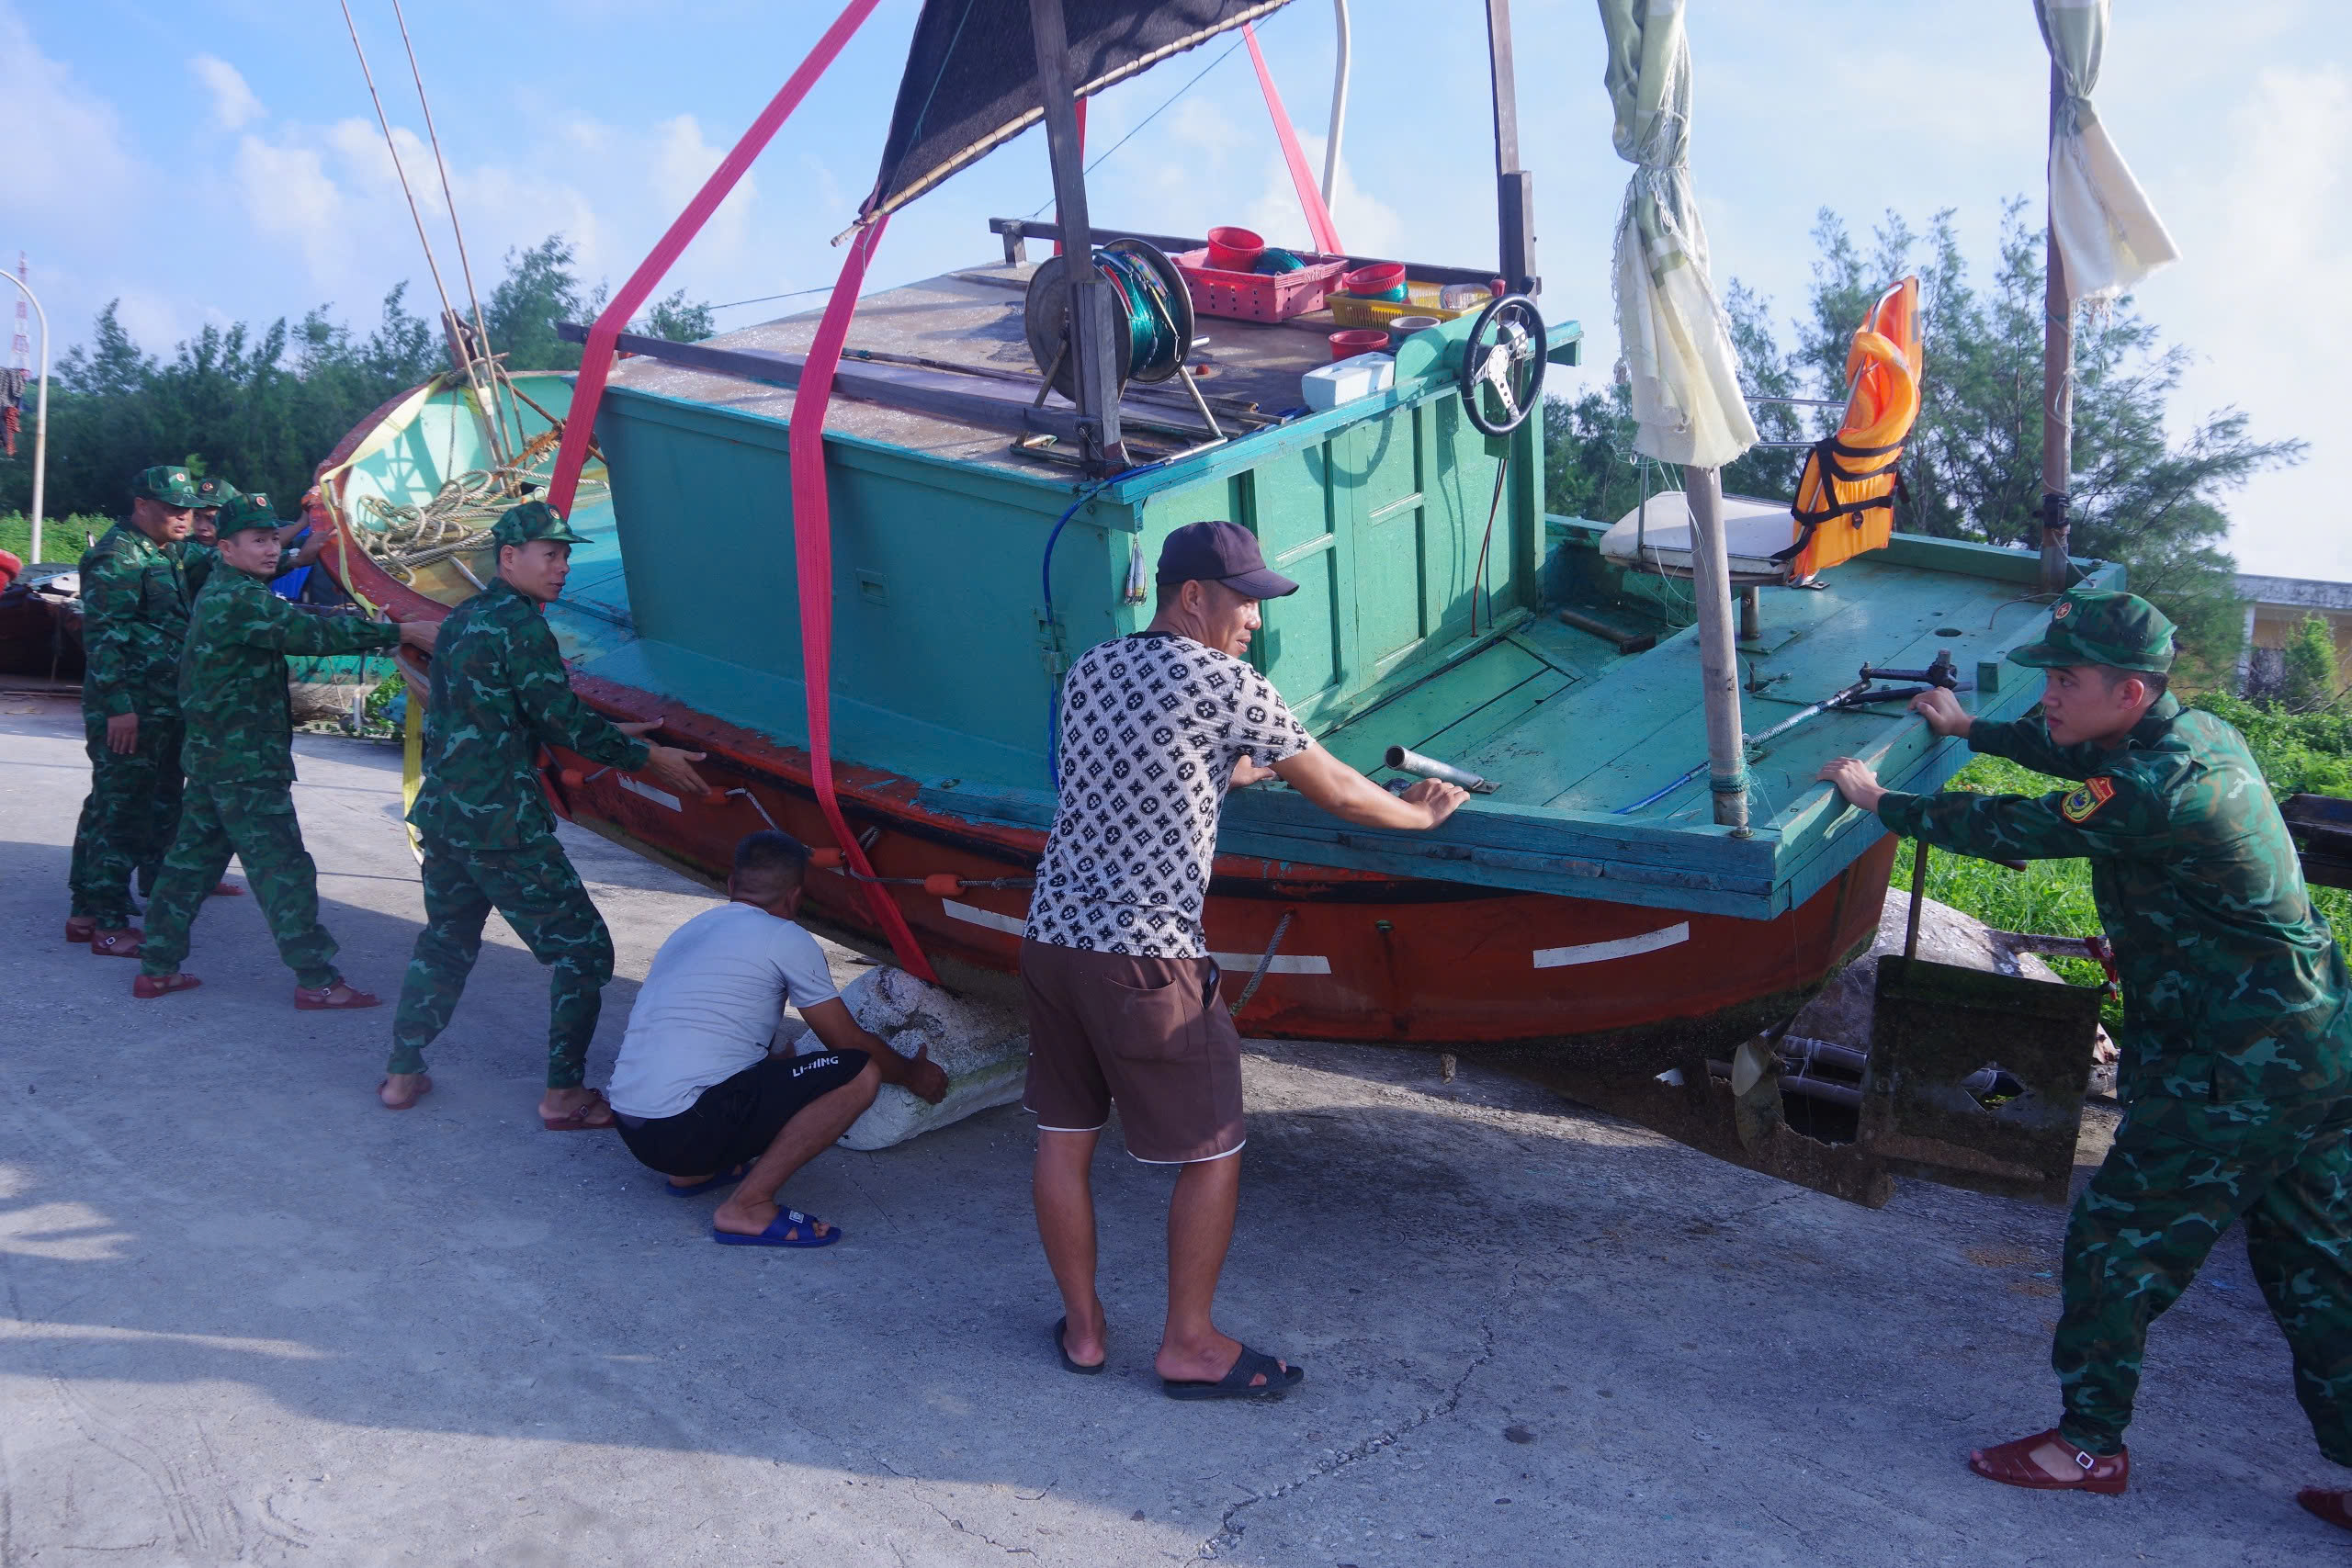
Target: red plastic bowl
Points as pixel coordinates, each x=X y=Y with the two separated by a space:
x=1359 y=340
x=1235 y=250
x=1382 y=280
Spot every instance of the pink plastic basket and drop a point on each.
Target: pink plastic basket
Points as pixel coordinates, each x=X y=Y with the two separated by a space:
x=1259 y=296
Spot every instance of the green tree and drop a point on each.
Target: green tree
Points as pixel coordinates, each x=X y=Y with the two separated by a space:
x=2308 y=659
x=677 y=320
x=539 y=291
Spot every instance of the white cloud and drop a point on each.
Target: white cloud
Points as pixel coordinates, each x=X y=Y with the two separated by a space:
x=289 y=196
x=234 y=104
x=66 y=156
x=683 y=160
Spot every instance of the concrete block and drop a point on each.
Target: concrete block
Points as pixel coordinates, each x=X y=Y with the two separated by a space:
x=983 y=1047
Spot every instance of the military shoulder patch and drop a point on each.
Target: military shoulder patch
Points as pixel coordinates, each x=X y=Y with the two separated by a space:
x=2082 y=804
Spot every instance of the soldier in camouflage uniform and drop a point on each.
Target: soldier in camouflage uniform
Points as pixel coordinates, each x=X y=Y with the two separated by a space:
x=2237 y=1042
x=212 y=494
x=238 y=752
x=498 y=691
x=136 y=593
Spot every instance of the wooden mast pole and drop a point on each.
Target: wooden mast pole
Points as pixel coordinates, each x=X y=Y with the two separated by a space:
x=1514 y=186
x=1091 y=345
x=2057 y=383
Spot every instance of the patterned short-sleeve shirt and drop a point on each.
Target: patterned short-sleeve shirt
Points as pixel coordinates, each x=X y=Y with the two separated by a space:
x=1151 y=725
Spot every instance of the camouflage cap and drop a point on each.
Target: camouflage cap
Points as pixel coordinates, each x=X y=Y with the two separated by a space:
x=2091 y=625
x=251 y=511
x=212 y=490
x=169 y=483
x=532 y=520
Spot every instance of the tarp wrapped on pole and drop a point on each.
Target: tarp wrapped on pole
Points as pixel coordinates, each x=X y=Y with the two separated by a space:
x=971 y=79
x=1686 y=401
x=2108 y=235
x=1676 y=341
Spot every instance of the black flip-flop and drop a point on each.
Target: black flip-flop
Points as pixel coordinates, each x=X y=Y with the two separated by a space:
x=1080 y=1368
x=1236 y=1384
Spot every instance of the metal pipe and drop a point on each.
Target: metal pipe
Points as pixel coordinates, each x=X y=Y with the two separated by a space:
x=1405 y=761
x=40 y=409
x=1718 y=653
x=1338 y=102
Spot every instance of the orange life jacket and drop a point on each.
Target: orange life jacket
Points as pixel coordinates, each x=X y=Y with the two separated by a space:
x=1845 y=494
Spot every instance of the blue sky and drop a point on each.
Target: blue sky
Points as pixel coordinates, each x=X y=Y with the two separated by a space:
x=216 y=160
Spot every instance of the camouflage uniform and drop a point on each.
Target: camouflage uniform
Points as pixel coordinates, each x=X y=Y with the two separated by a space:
x=237 y=751
x=136 y=595
x=2237 y=1042
x=498 y=691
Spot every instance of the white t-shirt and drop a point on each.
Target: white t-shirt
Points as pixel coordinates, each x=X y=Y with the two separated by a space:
x=1151 y=725
x=710 y=1005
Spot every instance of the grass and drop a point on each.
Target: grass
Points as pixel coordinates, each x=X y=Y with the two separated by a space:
x=2049 y=897
x=61 y=538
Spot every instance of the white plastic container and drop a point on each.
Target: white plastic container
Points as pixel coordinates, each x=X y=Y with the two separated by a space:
x=1345 y=380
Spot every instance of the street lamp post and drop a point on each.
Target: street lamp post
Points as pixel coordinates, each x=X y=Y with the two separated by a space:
x=40 y=413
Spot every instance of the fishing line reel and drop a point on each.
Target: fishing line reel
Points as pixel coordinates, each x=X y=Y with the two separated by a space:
x=1148 y=316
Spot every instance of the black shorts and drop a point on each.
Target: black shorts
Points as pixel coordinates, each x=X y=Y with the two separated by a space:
x=736 y=1120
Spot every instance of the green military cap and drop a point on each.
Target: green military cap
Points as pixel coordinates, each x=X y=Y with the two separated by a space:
x=251 y=511
x=2090 y=626
x=169 y=483
x=212 y=490
x=533 y=520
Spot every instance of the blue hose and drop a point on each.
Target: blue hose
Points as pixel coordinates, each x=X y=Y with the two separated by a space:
x=1046 y=573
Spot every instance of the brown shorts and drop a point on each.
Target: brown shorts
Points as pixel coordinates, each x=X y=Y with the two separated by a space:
x=1146 y=1034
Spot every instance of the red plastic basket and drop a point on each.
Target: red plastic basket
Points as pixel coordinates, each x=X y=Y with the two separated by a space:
x=1259 y=296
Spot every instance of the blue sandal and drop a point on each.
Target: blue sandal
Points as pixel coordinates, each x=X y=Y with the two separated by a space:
x=781 y=1233
x=721 y=1179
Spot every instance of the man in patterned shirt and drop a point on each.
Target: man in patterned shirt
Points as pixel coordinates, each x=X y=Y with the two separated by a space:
x=1122 y=992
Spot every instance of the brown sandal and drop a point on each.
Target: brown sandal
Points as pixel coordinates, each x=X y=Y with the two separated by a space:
x=2013 y=1464
x=424 y=1088
x=226 y=890
x=2332 y=1504
x=80 y=929
x=147 y=988
x=123 y=944
x=577 y=1119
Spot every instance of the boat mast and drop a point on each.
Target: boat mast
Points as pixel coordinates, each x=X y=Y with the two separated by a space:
x=2057 y=378
x=1091 y=321
x=1514 y=186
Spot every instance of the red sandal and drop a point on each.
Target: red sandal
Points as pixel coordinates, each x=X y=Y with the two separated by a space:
x=2332 y=1504
x=323 y=999
x=80 y=929
x=2012 y=1464
x=123 y=944
x=147 y=988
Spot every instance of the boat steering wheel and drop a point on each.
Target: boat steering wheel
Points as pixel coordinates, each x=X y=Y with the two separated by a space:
x=1503 y=365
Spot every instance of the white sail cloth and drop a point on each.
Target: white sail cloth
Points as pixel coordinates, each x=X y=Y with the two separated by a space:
x=2109 y=237
x=1676 y=341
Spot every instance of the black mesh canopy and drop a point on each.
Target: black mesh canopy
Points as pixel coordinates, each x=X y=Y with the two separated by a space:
x=971 y=81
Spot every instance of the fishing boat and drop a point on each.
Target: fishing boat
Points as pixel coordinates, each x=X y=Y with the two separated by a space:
x=849 y=553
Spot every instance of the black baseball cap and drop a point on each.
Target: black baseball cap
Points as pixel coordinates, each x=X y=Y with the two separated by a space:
x=1221 y=552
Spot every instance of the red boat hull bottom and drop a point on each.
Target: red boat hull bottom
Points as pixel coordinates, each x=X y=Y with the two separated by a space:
x=1361 y=959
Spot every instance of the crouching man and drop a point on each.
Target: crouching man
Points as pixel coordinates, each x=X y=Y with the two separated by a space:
x=697 y=1093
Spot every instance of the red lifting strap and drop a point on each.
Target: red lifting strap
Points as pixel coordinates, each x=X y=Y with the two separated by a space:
x=596 y=360
x=812 y=544
x=1318 y=217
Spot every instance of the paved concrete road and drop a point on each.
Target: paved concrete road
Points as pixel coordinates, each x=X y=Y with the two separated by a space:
x=250 y=1317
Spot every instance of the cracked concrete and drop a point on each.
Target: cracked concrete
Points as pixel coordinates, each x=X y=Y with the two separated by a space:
x=250 y=1318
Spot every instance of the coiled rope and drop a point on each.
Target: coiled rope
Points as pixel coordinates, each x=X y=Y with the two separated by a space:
x=1153 y=342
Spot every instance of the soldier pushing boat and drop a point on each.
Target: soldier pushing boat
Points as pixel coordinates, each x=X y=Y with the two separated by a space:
x=238 y=752
x=2237 y=1045
x=498 y=691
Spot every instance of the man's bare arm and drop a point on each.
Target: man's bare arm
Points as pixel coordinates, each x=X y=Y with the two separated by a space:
x=831 y=1022
x=1349 y=796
